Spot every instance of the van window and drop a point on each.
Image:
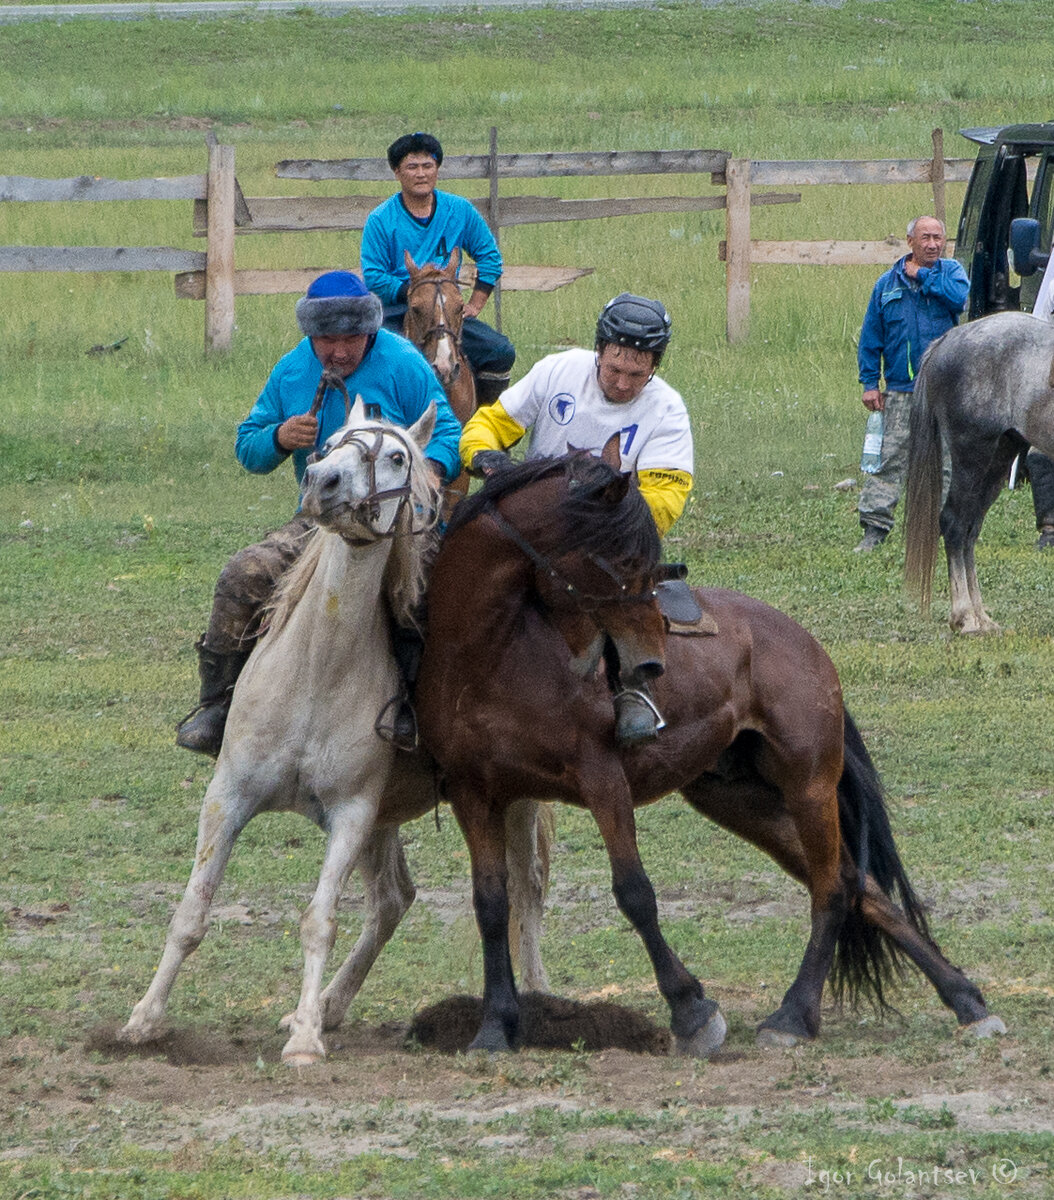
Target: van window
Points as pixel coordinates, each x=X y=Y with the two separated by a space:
x=1043 y=211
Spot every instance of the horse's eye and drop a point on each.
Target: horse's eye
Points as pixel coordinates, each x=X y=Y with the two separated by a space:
x=399 y=458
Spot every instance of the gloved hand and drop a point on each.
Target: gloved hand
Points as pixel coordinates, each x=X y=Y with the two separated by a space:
x=486 y=462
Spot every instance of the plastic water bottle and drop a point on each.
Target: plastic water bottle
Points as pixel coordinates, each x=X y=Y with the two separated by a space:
x=871 y=459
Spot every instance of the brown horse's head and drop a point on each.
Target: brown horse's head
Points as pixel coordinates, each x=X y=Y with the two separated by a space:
x=593 y=552
x=434 y=316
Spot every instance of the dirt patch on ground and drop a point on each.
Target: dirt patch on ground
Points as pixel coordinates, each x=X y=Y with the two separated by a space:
x=193 y=1088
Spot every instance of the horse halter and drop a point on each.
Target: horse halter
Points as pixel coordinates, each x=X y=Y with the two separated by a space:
x=583 y=601
x=368 y=509
x=440 y=329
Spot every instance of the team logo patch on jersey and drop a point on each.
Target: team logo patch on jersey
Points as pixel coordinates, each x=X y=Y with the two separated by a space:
x=562 y=408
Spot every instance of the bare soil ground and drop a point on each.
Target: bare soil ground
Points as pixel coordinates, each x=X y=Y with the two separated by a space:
x=194 y=1089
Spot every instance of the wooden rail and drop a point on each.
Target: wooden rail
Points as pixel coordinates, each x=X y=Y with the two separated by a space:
x=222 y=214
x=741 y=253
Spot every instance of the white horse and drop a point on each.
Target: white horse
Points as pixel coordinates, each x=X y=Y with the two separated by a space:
x=300 y=736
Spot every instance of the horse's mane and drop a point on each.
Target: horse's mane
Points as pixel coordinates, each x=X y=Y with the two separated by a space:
x=404 y=580
x=623 y=532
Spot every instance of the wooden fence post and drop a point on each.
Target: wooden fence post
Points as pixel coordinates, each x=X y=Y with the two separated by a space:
x=937 y=175
x=493 y=216
x=219 y=250
x=737 y=249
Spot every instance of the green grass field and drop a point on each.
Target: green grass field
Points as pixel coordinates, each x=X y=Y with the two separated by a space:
x=120 y=499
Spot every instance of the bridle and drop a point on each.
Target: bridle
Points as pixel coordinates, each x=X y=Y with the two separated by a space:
x=369 y=442
x=581 y=600
x=441 y=329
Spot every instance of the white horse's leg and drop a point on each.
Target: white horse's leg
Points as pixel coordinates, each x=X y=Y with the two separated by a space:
x=350 y=824
x=529 y=829
x=219 y=824
x=389 y=893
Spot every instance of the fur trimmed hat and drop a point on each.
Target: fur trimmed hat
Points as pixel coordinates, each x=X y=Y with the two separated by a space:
x=338 y=304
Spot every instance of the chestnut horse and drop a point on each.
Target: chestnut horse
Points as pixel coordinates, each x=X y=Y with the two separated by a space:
x=433 y=320
x=563 y=556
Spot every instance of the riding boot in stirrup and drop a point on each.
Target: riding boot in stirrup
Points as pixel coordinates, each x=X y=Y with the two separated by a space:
x=397 y=722
x=636 y=717
x=202 y=728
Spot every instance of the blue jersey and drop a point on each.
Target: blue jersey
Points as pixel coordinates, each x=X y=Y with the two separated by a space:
x=455 y=224
x=393 y=375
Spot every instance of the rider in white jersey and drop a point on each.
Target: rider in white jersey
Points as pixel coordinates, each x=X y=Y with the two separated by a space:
x=580 y=398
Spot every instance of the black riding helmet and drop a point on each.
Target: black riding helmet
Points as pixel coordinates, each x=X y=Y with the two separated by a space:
x=635 y=321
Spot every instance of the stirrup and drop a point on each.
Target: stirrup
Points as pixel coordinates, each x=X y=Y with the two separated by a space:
x=637 y=699
x=398 y=710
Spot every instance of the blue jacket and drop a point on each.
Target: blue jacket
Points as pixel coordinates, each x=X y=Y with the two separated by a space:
x=903 y=316
x=393 y=375
x=390 y=230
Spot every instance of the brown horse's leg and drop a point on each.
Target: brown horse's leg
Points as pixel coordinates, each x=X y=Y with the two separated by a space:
x=802 y=837
x=959 y=993
x=483 y=825
x=696 y=1023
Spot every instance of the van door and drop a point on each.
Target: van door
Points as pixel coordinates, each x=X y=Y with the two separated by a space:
x=997 y=194
x=1042 y=209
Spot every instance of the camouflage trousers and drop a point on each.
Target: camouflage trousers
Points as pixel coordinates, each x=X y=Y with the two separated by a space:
x=247 y=583
x=881 y=491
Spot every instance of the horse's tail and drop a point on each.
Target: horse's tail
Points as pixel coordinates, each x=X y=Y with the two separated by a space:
x=866 y=959
x=923 y=495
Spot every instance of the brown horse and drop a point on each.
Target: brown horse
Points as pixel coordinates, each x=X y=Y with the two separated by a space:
x=434 y=316
x=562 y=554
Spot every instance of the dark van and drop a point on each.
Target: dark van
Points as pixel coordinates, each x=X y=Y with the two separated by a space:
x=1007 y=220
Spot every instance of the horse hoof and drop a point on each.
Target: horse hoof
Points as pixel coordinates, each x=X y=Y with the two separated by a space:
x=490 y=1042
x=137 y=1035
x=302 y=1058
x=706 y=1040
x=775 y=1039
x=985 y=1028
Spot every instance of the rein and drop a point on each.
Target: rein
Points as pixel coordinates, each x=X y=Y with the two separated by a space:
x=586 y=602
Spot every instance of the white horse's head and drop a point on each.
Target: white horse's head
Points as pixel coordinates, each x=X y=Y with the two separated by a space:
x=371 y=480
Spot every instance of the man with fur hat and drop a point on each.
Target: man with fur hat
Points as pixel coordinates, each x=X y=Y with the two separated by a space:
x=431 y=225
x=341 y=323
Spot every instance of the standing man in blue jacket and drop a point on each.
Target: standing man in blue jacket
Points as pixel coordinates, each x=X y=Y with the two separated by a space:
x=913 y=303
x=431 y=225
x=341 y=323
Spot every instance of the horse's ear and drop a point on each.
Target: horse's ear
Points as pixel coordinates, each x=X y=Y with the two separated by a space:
x=611 y=453
x=423 y=428
x=357 y=415
x=452 y=263
x=616 y=490
x=411 y=266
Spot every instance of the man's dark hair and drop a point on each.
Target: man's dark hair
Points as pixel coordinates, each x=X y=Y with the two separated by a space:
x=414 y=143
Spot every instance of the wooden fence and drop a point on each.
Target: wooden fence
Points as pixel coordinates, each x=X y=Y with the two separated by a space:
x=740 y=254
x=221 y=213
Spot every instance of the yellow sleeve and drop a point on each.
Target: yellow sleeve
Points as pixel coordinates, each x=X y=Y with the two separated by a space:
x=489 y=428
x=666 y=493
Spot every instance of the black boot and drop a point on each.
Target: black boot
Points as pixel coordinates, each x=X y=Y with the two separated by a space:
x=397 y=722
x=489 y=386
x=636 y=717
x=202 y=728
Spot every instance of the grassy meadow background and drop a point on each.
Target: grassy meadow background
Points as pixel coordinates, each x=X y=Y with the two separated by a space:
x=120 y=499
